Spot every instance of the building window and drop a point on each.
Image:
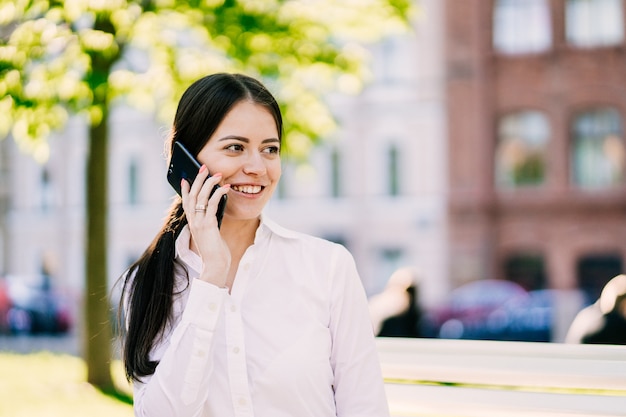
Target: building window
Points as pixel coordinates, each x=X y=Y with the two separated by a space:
x=521 y=151
x=598 y=153
x=521 y=26
x=527 y=270
x=385 y=63
x=47 y=190
x=335 y=173
x=592 y=23
x=133 y=183
x=393 y=171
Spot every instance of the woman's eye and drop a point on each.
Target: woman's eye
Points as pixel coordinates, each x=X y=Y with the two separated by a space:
x=272 y=149
x=235 y=147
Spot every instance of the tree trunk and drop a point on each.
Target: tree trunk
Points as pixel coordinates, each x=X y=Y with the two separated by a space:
x=98 y=334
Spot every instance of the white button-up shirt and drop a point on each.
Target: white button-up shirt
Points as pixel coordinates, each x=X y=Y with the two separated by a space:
x=293 y=338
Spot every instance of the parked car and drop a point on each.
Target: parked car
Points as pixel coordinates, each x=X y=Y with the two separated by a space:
x=474 y=311
x=35 y=307
x=4 y=307
x=528 y=318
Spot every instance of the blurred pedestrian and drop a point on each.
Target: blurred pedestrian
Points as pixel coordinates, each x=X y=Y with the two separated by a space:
x=249 y=319
x=395 y=312
x=603 y=322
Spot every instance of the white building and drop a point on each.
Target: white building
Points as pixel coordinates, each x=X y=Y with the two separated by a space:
x=379 y=186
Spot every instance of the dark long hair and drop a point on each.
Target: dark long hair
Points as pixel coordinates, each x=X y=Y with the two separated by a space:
x=148 y=286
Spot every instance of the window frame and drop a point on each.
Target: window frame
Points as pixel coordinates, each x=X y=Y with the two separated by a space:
x=510 y=27
x=504 y=176
x=582 y=30
x=594 y=163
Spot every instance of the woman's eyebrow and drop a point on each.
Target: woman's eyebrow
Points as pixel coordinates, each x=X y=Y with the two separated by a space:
x=270 y=140
x=246 y=140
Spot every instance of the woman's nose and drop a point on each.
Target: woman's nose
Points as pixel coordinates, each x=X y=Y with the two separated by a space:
x=254 y=164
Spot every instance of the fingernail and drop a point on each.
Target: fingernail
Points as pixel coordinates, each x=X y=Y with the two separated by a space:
x=202 y=168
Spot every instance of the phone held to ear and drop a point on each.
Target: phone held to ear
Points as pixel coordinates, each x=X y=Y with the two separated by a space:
x=183 y=165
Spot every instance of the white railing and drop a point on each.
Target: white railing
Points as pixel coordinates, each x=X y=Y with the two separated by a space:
x=469 y=378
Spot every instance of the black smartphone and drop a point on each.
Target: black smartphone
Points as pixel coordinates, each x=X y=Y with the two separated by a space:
x=183 y=165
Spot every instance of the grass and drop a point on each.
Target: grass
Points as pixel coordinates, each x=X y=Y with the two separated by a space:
x=50 y=385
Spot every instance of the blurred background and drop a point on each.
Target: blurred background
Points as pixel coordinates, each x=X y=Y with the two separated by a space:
x=486 y=154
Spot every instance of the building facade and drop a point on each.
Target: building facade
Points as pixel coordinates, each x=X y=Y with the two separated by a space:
x=537 y=158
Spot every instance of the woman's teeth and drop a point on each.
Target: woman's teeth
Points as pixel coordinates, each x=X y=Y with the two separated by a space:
x=247 y=189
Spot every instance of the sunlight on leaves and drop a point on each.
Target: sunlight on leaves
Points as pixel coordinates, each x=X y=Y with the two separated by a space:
x=306 y=49
x=96 y=40
x=8 y=13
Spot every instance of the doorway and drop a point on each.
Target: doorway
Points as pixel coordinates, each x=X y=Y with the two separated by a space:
x=594 y=271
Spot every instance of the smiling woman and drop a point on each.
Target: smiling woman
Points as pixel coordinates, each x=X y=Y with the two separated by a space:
x=246 y=319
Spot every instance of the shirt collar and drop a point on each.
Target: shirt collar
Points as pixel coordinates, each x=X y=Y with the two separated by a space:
x=266 y=228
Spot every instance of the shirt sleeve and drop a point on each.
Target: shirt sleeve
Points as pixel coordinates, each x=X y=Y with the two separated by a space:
x=175 y=388
x=358 y=382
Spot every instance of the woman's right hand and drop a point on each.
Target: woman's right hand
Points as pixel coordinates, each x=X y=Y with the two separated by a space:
x=200 y=211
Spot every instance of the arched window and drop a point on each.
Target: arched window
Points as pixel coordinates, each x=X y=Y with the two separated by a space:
x=591 y=23
x=521 y=26
x=521 y=150
x=598 y=152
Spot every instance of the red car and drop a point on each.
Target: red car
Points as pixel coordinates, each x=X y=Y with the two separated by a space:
x=5 y=305
x=35 y=307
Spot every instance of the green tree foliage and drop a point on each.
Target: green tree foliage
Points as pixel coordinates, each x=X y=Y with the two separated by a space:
x=80 y=57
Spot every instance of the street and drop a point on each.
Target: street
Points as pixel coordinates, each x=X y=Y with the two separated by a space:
x=68 y=343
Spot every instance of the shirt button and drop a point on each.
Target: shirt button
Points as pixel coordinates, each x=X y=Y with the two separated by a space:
x=246 y=267
x=233 y=308
x=242 y=401
x=235 y=350
x=212 y=307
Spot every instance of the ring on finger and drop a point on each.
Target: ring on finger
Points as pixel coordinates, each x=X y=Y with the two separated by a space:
x=200 y=207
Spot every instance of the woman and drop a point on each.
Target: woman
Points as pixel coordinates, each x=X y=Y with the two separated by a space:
x=249 y=319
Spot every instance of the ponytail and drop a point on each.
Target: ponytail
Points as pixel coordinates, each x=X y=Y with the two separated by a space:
x=146 y=301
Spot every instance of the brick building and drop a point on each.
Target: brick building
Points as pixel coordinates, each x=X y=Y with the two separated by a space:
x=536 y=101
